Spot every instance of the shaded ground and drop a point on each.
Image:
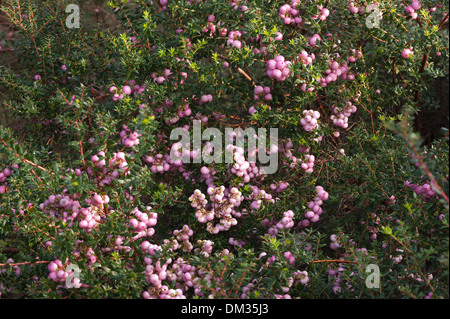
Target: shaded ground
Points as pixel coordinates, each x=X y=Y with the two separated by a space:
x=431 y=122
x=8 y=58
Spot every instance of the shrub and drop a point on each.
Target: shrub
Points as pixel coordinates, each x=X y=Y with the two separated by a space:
x=95 y=204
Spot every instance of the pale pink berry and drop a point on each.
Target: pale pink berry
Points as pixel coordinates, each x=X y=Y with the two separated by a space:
x=126 y=90
x=416 y=5
x=406 y=53
x=52 y=267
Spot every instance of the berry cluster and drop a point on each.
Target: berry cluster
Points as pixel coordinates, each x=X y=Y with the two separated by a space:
x=129 y=139
x=235 y=39
x=289 y=257
x=278 y=187
x=334 y=242
x=180 y=275
x=308 y=163
x=61 y=207
x=205 y=99
x=278 y=68
x=314 y=210
x=116 y=244
x=259 y=196
x=130 y=88
x=290 y=13
x=143 y=223
x=287 y=220
x=236 y=4
x=301 y=277
x=205 y=247
x=339 y=71
x=241 y=167
x=222 y=206
x=312 y=41
x=306 y=58
x=407 y=53
x=58 y=272
x=182 y=236
x=90 y=217
x=184 y=110
x=309 y=120
x=425 y=190
x=210 y=25
x=4 y=176
x=155 y=275
x=411 y=10
x=160 y=163
x=340 y=116
x=161 y=77
x=323 y=13
x=163 y=4
x=105 y=174
x=397 y=258
x=262 y=91
x=16 y=268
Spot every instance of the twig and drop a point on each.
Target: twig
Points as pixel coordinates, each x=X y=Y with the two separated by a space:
x=440 y=144
x=24 y=160
x=441 y=25
x=25 y=263
x=371 y=118
x=246 y=76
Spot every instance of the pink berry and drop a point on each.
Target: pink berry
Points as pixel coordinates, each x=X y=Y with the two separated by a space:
x=416 y=5
x=126 y=90
x=406 y=53
x=52 y=267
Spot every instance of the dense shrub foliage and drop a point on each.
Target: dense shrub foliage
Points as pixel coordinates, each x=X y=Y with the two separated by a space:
x=94 y=204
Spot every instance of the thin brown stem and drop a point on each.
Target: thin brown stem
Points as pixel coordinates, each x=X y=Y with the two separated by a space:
x=25 y=263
